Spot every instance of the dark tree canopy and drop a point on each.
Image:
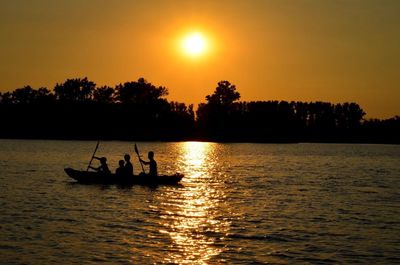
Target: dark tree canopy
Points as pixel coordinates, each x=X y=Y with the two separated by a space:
x=140 y=92
x=223 y=118
x=139 y=110
x=224 y=94
x=75 y=90
x=27 y=95
x=104 y=94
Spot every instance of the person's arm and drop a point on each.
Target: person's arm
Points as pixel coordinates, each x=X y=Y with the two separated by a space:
x=144 y=162
x=94 y=168
x=95 y=157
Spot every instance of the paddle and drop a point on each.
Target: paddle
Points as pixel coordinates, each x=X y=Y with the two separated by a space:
x=137 y=152
x=97 y=146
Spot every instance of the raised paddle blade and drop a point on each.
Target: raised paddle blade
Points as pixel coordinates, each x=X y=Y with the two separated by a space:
x=136 y=150
x=97 y=146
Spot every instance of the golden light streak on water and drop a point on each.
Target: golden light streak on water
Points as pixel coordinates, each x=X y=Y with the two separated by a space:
x=195 y=224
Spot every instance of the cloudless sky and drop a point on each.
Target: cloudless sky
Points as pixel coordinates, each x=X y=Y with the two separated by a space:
x=301 y=50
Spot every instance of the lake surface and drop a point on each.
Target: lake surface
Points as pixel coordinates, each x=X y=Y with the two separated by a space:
x=237 y=204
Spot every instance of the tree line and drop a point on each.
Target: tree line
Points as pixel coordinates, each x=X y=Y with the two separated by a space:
x=139 y=110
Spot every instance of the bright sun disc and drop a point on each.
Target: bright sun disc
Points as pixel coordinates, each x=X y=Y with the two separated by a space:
x=194 y=44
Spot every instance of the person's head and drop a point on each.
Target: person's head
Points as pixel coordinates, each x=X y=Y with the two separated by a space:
x=127 y=157
x=150 y=155
x=103 y=160
x=121 y=163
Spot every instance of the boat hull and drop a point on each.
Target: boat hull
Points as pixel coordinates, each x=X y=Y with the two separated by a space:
x=89 y=177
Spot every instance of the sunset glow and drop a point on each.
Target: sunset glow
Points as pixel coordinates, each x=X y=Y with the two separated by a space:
x=194 y=44
x=200 y=132
x=270 y=50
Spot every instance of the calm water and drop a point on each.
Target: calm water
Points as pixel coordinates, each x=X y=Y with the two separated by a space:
x=238 y=204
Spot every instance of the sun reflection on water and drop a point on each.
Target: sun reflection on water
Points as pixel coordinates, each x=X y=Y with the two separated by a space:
x=194 y=220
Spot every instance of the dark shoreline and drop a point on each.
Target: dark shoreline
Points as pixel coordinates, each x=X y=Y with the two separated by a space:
x=79 y=110
x=194 y=140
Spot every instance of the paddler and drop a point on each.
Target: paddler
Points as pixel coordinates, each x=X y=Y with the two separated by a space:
x=152 y=164
x=103 y=168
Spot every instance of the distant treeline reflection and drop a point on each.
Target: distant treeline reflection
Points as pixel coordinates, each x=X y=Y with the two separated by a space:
x=139 y=110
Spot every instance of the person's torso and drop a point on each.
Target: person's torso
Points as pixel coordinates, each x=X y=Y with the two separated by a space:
x=105 y=169
x=129 y=168
x=119 y=171
x=153 y=168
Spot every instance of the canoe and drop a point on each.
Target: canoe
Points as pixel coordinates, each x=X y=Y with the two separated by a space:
x=90 y=177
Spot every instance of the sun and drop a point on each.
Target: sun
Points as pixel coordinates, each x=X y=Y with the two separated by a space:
x=194 y=44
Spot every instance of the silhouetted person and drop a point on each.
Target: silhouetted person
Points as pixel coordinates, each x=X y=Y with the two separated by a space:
x=120 y=171
x=152 y=163
x=128 y=165
x=103 y=168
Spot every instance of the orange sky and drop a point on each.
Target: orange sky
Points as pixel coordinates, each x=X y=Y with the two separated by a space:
x=302 y=50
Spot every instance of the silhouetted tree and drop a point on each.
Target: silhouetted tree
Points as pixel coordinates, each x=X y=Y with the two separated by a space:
x=348 y=115
x=224 y=94
x=28 y=95
x=104 y=94
x=43 y=94
x=75 y=90
x=140 y=92
x=6 y=98
x=381 y=131
x=139 y=110
x=23 y=95
x=218 y=116
x=356 y=115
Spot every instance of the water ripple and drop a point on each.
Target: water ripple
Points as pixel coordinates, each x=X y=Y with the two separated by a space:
x=238 y=204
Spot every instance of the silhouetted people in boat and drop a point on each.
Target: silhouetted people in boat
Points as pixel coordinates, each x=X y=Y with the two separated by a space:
x=103 y=168
x=128 y=165
x=120 y=171
x=152 y=163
